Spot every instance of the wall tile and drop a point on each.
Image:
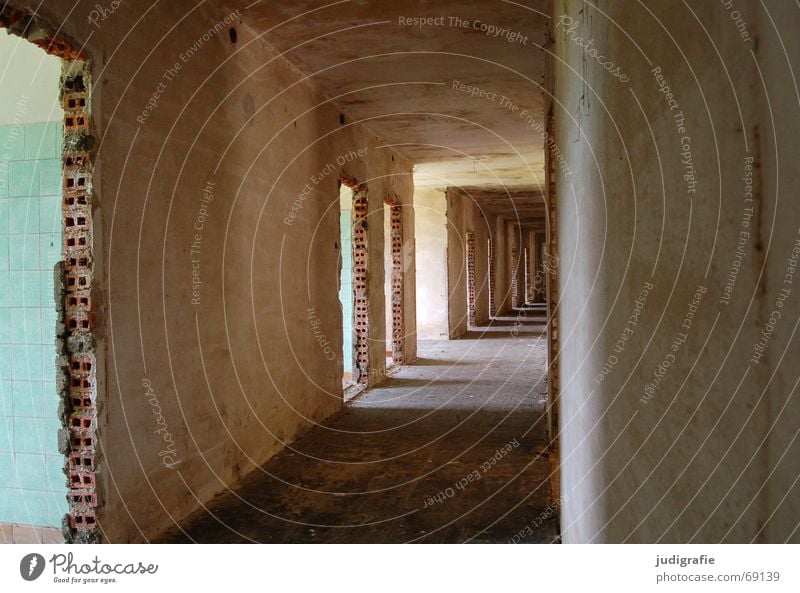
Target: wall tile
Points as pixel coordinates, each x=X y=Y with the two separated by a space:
x=30 y=245
x=6 y=399
x=5 y=362
x=51 y=427
x=4 y=216
x=48 y=317
x=4 y=260
x=6 y=434
x=50 y=215
x=49 y=250
x=4 y=179
x=56 y=507
x=49 y=177
x=47 y=298
x=23 y=216
x=57 y=128
x=34 y=507
x=26 y=326
x=24 y=289
x=48 y=361
x=40 y=141
x=23 y=252
x=56 y=479
x=28 y=400
x=12 y=142
x=5 y=325
x=8 y=471
x=9 y=497
x=5 y=289
x=28 y=436
x=31 y=471
x=26 y=362
x=23 y=179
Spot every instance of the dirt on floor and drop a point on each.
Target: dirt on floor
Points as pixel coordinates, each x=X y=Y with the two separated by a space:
x=450 y=449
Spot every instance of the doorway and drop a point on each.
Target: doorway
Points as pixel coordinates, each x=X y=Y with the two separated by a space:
x=346 y=281
x=33 y=492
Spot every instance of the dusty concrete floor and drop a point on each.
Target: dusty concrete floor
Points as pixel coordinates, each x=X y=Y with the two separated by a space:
x=389 y=466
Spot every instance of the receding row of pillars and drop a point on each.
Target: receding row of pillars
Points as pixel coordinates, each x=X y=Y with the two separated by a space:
x=527 y=264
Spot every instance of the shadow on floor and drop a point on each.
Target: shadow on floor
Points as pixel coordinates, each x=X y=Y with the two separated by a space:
x=452 y=450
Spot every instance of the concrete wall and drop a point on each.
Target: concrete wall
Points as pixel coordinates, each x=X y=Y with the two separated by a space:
x=502 y=265
x=459 y=221
x=464 y=215
x=430 y=216
x=511 y=238
x=530 y=244
x=409 y=276
x=240 y=145
x=677 y=419
x=481 y=228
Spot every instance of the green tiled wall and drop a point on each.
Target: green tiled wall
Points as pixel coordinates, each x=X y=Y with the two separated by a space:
x=346 y=288
x=33 y=486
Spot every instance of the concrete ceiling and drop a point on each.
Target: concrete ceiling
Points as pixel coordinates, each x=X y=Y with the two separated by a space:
x=404 y=81
x=524 y=205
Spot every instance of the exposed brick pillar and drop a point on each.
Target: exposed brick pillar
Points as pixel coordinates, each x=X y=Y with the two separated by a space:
x=528 y=279
x=539 y=283
x=492 y=309
x=360 y=287
x=514 y=274
x=471 y=318
x=77 y=360
x=76 y=342
x=398 y=331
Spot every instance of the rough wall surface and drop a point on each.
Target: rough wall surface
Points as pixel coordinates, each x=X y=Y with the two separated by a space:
x=459 y=221
x=502 y=279
x=409 y=274
x=678 y=240
x=480 y=227
x=216 y=237
x=430 y=228
x=465 y=215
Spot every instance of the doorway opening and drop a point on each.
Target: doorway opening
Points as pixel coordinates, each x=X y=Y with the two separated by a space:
x=346 y=282
x=490 y=256
x=33 y=489
x=47 y=379
x=353 y=289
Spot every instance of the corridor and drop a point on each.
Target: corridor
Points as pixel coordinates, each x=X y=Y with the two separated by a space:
x=448 y=450
x=384 y=271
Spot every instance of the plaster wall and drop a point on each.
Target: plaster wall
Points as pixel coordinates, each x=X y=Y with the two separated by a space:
x=430 y=216
x=465 y=215
x=502 y=265
x=708 y=451
x=481 y=228
x=459 y=221
x=238 y=143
